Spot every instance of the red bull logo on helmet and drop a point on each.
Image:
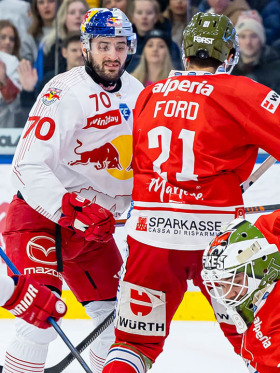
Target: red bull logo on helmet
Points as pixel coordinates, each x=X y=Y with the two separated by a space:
x=115 y=22
x=51 y=96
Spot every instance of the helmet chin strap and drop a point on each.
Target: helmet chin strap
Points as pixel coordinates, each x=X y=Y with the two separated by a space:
x=240 y=324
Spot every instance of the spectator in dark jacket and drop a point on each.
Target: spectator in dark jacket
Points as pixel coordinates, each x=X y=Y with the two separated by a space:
x=271 y=20
x=257 y=61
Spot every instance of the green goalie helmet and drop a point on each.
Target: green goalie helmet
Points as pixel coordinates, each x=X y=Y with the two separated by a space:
x=239 y=268
x=210 y=35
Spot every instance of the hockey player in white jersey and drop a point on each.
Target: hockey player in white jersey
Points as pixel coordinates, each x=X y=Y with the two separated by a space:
x=73 y=177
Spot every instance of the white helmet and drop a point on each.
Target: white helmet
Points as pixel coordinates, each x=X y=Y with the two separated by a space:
x=108 y=23
x=239 y=265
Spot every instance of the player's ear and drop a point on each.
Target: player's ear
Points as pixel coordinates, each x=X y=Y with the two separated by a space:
x=186 y=64
x=64 y=52
x=84 y=51
x=230 y=57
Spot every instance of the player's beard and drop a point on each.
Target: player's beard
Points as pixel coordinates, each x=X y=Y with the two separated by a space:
x=106 y=75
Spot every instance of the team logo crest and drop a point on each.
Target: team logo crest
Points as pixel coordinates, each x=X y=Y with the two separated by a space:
x=142 y=224
x=218 y=245
x=214 y=258
x=52 y=95
x=125 y=111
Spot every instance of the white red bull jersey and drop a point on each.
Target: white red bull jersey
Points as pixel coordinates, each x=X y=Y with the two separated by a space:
x=196 y=139
x=78 y=138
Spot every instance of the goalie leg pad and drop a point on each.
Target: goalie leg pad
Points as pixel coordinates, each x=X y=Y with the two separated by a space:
x=99 y=348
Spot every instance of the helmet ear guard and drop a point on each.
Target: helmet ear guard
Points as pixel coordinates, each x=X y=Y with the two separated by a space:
x=240 y=249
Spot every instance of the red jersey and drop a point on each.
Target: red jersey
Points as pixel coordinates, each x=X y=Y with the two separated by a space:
x=195 y=140
x=261 y=341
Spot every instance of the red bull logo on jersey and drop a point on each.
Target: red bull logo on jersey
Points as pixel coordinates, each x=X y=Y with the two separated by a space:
x=105 y=120
x=115 y=157
x=52 y=95
x=106 y=156
x=141 y=310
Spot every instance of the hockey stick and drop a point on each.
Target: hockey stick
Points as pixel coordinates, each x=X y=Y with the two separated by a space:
x=244 y=186
x=258 y=173
x=59 y=367
x=73 y=350
x=263 y=208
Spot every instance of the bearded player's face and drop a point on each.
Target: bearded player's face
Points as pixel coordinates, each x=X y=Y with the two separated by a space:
x=107 y=56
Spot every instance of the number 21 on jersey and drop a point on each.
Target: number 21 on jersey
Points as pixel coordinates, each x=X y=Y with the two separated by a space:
x=187 y=138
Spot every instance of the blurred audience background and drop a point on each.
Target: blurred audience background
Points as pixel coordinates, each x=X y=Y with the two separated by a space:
x=9 y=77
x=257 y=60
x=155 y=62
x=40 y=38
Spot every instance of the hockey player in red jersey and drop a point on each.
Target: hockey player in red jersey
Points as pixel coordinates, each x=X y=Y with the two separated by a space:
x=241 y=269
x=27 y=299
x=73 y=177
x=195 y=140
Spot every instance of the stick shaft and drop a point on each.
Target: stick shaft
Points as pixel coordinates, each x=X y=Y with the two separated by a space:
x=263 y=208
x=258 y=173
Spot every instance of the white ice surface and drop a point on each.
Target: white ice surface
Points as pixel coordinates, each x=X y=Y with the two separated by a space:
x=192 y=347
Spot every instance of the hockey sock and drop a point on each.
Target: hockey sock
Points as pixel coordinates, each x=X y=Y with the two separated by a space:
x=99 y=348
x=25 y=357
x=28 y=351
x=126 y=359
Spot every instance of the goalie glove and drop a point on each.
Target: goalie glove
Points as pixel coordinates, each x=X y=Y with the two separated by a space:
x=34 y=303
x=82 y=215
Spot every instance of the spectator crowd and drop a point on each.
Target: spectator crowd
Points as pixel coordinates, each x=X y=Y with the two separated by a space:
x=40 y=38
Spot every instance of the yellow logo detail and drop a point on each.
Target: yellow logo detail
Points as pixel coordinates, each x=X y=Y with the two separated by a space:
x=123 y=144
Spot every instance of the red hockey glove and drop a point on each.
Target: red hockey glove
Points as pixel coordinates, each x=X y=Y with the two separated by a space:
x=82 y=215
x=34 y=303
